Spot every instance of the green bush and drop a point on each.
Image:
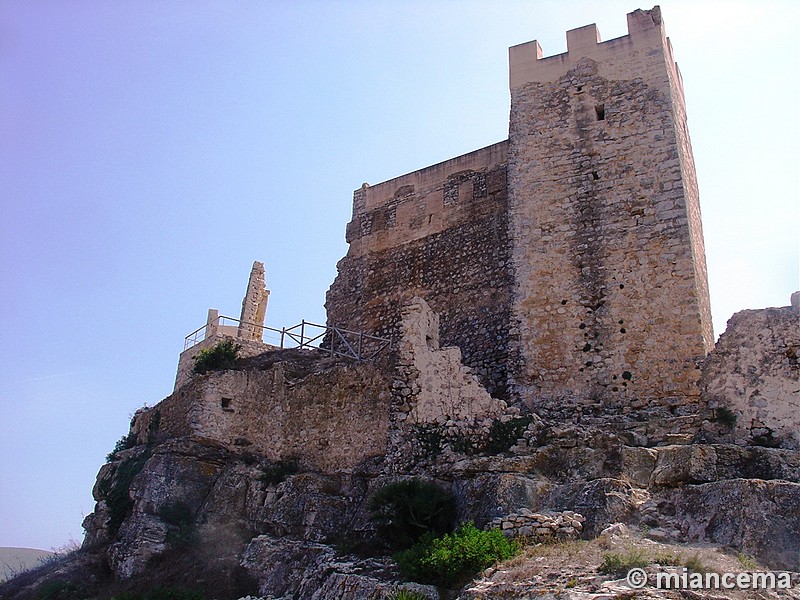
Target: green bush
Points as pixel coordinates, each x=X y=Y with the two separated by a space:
x=748 y=562
x=180 y=519
x=126 y=442
x=59 y=590
x=451 y=560
x=406 y=510
x=725 y=416
x=277 y=472
x=222 y=356
x=502 y=436
x=619 y=563
x=117 y=494
x=428 y=440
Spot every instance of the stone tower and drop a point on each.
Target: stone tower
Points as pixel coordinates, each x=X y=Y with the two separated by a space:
x=566 y=262
x=610 y=303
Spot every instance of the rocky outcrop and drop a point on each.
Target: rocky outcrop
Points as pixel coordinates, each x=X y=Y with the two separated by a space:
x=756 y=517
x=294 y=569
x=247 y=482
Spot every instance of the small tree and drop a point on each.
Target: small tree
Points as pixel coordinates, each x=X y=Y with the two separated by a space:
x=222 y=356
x=406 y=510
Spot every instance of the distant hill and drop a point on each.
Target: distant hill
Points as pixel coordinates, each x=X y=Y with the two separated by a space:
x=15 y=560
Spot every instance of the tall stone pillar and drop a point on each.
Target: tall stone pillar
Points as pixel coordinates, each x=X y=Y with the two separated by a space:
x=254 y=305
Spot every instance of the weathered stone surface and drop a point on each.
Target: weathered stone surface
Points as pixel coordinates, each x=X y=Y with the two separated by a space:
x=352 y=586
x=761 y=518
x=141 y=538
x=254 y=305
x=293 y=569
x=441 y=234
x=602 y=501
x=286 y=567
x=754 y=373
x=484 y=497
x=539 y=527
x=306 y=506
x=282 y=413
x=679 y=465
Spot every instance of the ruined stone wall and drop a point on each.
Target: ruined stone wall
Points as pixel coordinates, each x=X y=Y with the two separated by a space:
x=754 y=374
x=440 y=233
x=610 y=302
x=330 y=420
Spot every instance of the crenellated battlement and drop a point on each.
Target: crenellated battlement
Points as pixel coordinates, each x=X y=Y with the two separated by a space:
x=527 y=62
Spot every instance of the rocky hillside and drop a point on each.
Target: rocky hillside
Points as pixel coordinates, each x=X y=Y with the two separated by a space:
x=256 y=481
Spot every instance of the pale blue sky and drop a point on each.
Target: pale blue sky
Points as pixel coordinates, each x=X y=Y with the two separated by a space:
x=150 y=151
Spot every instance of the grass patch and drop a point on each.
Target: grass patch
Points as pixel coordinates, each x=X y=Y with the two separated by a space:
x=619 y=563
x=694 y=564
x=747 y=561
x=407 y=595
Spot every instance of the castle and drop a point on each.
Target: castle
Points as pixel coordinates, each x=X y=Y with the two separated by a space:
x=566 y=262
x=547 y=305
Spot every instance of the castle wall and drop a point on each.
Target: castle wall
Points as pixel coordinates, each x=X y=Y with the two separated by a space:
x=440 y=233
x=610 y=303
x=330 y=420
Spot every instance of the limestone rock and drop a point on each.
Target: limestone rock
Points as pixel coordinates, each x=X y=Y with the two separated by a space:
x=761 y=518
x=296 y=569
x=602 y=501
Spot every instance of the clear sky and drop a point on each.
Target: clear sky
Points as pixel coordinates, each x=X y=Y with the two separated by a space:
x=150 y=151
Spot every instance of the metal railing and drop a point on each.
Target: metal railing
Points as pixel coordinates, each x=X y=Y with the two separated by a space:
x=334 y=340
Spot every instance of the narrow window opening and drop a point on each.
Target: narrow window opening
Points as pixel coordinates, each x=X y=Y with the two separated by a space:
x=600 y=111
x=226 y=403
x=430 y=218
x=580 y=88
x=595 y=176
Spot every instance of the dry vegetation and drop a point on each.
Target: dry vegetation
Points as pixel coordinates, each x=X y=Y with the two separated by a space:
x=575 y=569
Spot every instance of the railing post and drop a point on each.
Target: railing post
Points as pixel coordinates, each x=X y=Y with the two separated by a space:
x=283 y=335
x=302 y=333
